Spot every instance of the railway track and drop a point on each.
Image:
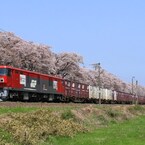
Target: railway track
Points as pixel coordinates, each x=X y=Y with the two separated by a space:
x=42 y=104
x=45 y=104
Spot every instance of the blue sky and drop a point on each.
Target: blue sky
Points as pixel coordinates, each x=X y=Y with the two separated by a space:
x=111 y=32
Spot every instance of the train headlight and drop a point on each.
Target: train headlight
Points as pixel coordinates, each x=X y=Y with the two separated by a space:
x=1 y=80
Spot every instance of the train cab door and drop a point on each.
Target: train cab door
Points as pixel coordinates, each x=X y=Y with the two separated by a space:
x=15 y=79
x=9 y=78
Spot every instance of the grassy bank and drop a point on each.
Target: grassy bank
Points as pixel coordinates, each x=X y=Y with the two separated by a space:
x=130 y=132
x=92 y=124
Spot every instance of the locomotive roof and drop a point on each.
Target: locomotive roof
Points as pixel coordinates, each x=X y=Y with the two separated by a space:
x=28 y=71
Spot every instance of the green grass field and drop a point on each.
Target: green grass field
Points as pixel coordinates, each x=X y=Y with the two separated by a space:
x=130 y=132
x=112 y=131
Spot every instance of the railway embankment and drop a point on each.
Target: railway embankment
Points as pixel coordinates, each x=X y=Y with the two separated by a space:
x=34 y=124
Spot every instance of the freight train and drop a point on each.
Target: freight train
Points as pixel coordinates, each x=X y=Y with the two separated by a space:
x=23 y=85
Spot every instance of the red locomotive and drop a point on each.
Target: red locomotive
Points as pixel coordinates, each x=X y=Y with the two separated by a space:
x=19 y=84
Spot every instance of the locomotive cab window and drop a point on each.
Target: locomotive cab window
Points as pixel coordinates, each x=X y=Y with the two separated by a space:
x=5 y=71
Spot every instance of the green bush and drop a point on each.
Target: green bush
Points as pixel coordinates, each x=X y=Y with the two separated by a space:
x=67 y=115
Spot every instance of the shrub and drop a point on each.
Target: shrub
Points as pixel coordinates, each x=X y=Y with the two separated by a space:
x=67 y=115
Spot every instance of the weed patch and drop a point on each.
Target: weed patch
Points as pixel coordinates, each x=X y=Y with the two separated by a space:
x=34 y=127
x=113 y=113
x=67 y=115
x=137 y=109
x=43 y=126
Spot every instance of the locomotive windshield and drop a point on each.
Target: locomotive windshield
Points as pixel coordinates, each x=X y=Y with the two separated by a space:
x=4 y=71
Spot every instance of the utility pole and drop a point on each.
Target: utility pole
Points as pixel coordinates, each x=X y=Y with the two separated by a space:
x=98 y=67
x=136 y=93
x=132 y=80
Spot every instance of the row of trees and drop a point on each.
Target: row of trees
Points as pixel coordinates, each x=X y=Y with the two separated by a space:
x=16 y=52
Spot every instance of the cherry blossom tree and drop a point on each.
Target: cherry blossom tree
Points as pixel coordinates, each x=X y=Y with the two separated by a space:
x=19 y=53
